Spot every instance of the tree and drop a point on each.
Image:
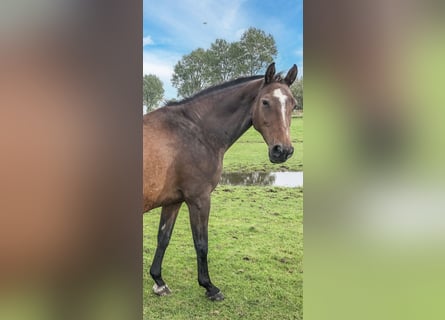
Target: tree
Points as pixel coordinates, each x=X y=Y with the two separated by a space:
x=152 y=91
x=297 y=92
x=191 y=73
x=224 y=61
x=259 y=50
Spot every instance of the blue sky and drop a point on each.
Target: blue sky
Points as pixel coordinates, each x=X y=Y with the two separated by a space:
x=173 y=28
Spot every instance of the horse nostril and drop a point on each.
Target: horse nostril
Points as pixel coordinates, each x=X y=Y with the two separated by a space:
x=277 y=149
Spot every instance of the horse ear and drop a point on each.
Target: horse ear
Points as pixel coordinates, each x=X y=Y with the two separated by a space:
x=270 y=73
x=291 y=75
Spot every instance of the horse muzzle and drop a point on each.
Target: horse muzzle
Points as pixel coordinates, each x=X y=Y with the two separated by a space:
x=279 y=153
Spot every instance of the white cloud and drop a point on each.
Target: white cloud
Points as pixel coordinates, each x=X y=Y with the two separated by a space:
x=179 y=27
x=161 y=64
x=147 y=41
x=197 y=23
x=182 y=26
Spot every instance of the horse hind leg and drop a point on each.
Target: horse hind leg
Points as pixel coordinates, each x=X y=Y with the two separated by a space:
x=166 y=224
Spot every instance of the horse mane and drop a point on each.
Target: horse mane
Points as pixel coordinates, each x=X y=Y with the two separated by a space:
x=279 y=77
x=214 y=88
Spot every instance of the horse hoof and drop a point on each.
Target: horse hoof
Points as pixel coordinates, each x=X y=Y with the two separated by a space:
x=216 y=297
x=161 y=290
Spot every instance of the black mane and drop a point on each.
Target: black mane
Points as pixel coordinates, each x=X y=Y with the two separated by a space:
x=215 y=88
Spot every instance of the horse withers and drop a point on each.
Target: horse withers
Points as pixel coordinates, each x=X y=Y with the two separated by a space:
x=184 y=145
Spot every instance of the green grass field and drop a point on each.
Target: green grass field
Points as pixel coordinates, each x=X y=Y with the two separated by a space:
x=255 y=246
x=255 y=258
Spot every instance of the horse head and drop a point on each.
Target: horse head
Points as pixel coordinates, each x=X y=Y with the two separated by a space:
x=271 y=113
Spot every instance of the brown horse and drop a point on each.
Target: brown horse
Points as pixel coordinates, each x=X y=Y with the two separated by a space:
x=184 y=146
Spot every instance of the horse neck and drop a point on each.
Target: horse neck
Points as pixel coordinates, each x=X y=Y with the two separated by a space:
x=225 y=115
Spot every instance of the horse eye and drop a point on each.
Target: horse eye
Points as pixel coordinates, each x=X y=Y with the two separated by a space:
x=265 y=103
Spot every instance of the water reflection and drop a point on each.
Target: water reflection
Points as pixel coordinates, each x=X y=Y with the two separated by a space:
x=277 y=179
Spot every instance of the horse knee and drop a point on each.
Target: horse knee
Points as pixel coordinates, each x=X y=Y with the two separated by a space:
x=201 y=248
x=164 y=238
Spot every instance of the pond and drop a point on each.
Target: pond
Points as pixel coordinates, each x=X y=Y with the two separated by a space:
x=290 y=179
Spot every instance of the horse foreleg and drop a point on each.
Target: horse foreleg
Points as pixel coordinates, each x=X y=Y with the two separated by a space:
x=199 y=217
x=166 y=224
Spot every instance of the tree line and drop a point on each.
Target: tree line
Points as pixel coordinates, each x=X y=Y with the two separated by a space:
x=223 y=61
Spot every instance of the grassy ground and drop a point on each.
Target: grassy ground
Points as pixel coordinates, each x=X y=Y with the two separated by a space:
x=255 y=258
x=250 y=152
x=255 y=246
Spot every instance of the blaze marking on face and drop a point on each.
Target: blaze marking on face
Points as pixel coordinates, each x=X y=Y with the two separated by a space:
x=277 y=93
